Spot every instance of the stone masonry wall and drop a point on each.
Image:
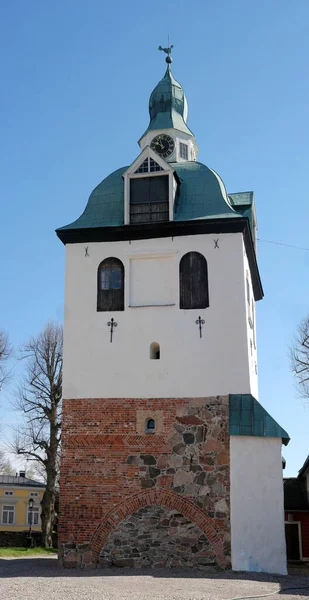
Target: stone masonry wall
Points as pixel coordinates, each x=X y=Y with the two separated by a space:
x=157 y=537
x=111 y=469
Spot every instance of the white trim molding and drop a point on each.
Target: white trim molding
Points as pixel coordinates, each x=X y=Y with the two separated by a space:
x=130 y=173
x=299 y=537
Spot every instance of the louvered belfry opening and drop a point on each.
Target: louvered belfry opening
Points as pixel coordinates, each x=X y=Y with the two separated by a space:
x=110 y=285
x=193 y=281
x=149 y=199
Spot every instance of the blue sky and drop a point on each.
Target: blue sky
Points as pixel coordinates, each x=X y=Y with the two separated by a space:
x=76 y=79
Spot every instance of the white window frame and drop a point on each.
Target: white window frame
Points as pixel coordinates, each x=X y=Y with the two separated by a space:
x=35 y=510
x=149 y=167
x=131 y=174
x=183 y=145
x=299 y=536
x=8 y=508
x=8 y=493
x=34 y=494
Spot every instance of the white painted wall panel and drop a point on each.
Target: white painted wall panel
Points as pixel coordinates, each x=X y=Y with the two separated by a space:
x=189 y=366
x=257 y=515
x=151 y=281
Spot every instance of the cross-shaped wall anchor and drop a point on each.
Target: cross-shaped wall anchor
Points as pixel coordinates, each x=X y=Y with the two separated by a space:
x=200 y=322
x=216 y=243
x=112 y=323
x=86 y=251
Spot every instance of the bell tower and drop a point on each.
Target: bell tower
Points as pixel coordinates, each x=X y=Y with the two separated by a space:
x=160 y=411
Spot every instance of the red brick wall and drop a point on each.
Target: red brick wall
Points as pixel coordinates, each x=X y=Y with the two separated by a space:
x=108 y=460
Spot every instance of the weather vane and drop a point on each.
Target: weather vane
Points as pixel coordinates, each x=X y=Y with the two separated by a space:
x=167 y=51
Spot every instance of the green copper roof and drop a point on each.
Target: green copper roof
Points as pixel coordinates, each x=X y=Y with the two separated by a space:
x=105 y=207
x=243 y=199
x=243 y=202
x=248 y=417
x=168 y=107
x=201 y=194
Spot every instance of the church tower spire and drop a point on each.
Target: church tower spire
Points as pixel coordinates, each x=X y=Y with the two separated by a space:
x=168 y=111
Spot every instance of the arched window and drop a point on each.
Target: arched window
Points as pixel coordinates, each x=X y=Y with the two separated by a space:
x=110 y=285
x=155 y=350
x=150 y=425
x=193 y=281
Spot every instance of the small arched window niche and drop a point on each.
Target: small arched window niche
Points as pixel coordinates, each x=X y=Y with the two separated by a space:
x=110 y=294
x=193 y=281
x=155 y=351
x=150 y=426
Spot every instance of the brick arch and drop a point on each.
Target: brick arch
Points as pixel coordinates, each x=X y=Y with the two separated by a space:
x=159 y=497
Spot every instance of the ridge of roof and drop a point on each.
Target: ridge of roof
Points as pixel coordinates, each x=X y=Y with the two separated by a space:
x=22 y=481
x=304 y=468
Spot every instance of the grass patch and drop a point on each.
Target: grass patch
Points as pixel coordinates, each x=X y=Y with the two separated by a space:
x=22 y=552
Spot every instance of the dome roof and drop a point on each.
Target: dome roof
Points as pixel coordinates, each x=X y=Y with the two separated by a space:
x=105 y=206
x=201 y=195
x=168 y=107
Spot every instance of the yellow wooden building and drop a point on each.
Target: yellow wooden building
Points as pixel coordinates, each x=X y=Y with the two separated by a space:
x=16 y=512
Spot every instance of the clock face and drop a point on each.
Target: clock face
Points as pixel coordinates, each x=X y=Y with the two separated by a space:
x=163 y=145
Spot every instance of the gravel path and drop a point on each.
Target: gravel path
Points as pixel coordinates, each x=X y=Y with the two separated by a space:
x=41 y=578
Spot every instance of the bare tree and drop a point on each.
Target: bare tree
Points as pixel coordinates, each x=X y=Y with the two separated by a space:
x=5 y=351
x=6 y=467
x=39 y=401
x=299 y=354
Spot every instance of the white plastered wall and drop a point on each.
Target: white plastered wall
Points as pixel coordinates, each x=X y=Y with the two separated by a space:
x=251 y=331
x=257 y=514
x=215 y=364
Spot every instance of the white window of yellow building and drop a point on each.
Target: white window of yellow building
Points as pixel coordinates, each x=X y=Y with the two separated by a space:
x=8 y=514
x=33 y=517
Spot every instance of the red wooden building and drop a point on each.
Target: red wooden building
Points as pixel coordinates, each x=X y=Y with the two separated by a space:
x=296 y=506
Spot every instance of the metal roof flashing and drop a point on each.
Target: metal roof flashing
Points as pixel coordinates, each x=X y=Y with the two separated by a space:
x=247 y=417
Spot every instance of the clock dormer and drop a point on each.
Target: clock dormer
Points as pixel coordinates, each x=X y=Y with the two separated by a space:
x=167 y=133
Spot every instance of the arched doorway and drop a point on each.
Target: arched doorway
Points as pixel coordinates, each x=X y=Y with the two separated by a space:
x=178 y=520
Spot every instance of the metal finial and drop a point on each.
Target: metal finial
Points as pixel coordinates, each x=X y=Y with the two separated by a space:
x=112 y=324
x=200 y=322
x=167 y=51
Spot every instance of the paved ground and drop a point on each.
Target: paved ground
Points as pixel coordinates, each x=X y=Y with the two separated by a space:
x=41 y=578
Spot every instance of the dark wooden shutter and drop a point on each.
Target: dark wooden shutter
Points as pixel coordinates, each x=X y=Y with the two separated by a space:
x=149 y=199
x=193 y=281
x=111 y=298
